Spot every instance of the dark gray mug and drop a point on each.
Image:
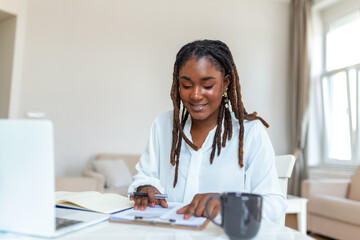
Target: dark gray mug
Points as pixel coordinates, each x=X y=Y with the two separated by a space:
x=240 y=213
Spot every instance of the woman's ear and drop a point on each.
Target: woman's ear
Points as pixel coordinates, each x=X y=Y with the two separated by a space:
x=226 y=81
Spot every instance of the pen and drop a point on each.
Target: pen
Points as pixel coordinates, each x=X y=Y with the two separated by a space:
x=158 y=196
x=151 y=221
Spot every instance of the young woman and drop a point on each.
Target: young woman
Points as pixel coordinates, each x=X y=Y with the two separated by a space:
x=208 y=144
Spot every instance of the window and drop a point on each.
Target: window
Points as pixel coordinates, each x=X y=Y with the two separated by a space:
x=341 y=90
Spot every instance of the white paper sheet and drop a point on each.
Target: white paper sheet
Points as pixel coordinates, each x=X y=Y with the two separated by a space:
x=160 y=214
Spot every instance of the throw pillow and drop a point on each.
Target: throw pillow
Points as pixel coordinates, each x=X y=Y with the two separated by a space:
x=117 y=174
x=354 y=191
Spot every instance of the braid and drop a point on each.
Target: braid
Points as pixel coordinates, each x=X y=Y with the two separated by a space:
x=217 y=142
x=176 y=103
x=228 y=127
x=177 y=131
x=219 y=54
x=184 y=117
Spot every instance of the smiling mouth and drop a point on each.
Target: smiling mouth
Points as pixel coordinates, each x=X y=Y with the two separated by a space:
x=197 y=107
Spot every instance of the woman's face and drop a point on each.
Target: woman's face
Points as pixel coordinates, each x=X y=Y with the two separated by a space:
x=201 y=87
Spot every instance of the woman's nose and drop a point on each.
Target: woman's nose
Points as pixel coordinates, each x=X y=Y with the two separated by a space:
x=196 y=94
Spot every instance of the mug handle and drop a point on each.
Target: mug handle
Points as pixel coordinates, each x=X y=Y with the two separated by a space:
x=207 y=212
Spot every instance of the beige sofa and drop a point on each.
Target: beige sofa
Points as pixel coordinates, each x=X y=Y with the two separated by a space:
x=76 y=184
x=334 y=206
x=112 y=172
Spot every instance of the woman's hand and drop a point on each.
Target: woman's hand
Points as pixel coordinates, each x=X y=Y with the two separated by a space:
x=142 y=202
x=197 y=206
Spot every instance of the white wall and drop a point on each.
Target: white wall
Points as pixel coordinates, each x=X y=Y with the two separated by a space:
x=102 y=71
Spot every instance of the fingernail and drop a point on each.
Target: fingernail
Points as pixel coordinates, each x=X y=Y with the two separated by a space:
x=152 y=204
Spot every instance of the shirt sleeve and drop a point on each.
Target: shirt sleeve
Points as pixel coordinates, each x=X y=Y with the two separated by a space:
x=148 y=166
x=261 y=176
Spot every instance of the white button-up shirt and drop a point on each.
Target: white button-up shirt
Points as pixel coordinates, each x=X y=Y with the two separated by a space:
x=197 y=175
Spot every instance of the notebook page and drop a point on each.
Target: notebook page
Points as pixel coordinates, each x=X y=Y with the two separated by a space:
x=179 y=219
x=160 y=214
x=105 y=203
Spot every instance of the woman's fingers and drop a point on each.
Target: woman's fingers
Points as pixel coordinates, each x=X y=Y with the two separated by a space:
x=144 y=203
x=182 y=210
x=163 y=203
x=187 y=211
x=137 y=203
x=151 y=196
x=213 y=208
x=197 y=206
x=215 y=211
x=200 y=209
x=190 y=209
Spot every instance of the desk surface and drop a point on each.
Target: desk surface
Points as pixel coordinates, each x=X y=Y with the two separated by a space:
x=112 y=231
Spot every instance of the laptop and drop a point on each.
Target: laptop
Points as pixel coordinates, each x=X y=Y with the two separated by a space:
x=27 y=183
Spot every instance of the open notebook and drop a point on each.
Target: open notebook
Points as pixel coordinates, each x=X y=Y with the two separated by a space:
x=93 y=201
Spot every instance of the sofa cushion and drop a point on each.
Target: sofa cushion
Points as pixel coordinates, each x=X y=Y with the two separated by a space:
x=130 y=159
x=76 y=184
x=122 y=191
x=337 y=208
x=116 y=173
x=354 y=191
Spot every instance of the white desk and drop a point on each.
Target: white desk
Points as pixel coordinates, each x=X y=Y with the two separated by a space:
x=117 y=231
x=297 y=205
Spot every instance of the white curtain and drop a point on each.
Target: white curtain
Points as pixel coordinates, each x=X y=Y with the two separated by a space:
x=300 y=81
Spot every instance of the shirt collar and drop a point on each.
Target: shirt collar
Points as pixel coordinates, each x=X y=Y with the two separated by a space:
x=208 y=141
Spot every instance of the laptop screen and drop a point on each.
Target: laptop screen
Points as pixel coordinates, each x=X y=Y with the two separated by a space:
x=27 y=176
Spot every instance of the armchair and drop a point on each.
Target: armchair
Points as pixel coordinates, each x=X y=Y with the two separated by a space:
x=334 y=206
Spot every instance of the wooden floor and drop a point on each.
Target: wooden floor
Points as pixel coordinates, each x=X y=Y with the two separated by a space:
x=319 y=237
x=291 y=222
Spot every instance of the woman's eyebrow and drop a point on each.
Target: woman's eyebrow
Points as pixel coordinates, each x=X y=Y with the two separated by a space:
x=207 y=78
x=202 y=79
x=186 y=78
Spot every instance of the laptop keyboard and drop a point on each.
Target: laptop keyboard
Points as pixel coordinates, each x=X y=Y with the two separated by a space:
x=61 y=223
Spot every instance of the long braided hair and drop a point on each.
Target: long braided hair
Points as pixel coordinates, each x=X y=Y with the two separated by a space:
x=218 y=53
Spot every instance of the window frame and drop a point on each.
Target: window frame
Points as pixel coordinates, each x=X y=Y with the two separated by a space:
x=327 y=20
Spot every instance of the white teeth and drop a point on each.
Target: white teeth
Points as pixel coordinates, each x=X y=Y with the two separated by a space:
x=198 y=107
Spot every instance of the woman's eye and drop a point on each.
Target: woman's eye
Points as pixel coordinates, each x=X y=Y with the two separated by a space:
x=208 y=87
x=186 y=86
